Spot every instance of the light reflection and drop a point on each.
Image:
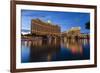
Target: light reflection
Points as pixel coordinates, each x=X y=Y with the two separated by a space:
x=48 y=50
x=75 y=46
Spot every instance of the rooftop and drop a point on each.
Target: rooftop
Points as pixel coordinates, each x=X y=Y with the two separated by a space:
x=45 y=23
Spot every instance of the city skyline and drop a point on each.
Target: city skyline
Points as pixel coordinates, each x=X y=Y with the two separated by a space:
x=66 y=20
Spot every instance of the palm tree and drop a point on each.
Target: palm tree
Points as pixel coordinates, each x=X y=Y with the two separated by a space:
x=87 y=25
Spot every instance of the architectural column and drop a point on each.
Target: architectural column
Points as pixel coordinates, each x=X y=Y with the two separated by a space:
x=49 y=38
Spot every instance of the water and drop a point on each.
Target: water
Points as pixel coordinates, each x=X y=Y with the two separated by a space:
x=59 y=50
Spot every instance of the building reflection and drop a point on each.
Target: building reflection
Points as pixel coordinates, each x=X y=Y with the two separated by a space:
x=73 y=45
x=43 y=50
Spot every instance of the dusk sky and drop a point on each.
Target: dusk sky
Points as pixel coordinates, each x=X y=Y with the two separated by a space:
x=65 y=20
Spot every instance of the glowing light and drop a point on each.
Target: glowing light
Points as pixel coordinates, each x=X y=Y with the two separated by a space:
x=49 y=21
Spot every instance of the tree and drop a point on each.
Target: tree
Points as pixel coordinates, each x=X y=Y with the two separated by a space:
x=87 y=25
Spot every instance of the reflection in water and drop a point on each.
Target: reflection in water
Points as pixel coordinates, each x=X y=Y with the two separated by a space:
x=75 y=46
x=42 y=50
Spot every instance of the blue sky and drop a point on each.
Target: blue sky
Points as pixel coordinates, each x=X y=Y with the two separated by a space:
x=65 y=20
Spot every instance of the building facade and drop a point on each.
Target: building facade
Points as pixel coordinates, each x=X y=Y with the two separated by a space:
x=74 y=32
x=39 y=27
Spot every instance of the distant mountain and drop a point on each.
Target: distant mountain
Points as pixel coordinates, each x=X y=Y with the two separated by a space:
x=24 y=31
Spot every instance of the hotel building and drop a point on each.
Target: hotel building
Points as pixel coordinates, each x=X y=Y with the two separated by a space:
x=38 y=27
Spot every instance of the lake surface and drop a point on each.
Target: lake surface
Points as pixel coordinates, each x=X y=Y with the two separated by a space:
x=59 y=50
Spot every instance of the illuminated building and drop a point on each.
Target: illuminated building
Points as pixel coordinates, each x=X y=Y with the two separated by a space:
x=39 y=27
